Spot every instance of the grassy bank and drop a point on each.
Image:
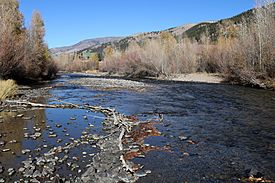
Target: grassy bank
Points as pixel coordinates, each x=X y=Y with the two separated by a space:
x=8 y=89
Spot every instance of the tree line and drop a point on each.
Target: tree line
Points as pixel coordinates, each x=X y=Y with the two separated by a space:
x=24 y=55
x=243 y=53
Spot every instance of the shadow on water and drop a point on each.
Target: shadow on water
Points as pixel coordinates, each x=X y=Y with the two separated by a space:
x=215 y=132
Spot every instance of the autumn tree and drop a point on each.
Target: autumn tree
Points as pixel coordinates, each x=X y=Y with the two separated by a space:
x=11 y=37
x=168 y=44
x=108 y=51
x=95 y=59
x=264 y=31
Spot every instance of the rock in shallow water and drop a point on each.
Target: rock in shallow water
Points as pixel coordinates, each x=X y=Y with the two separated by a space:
x=1 y=168
x=6 y=150
x=182 y=137
x=25 y=151
x=2 y=143
x=11 y=171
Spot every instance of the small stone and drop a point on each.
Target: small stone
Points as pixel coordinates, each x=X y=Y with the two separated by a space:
x=37 y=129
x=2 y=143
x=20 y=115
x=141 y=156
x=186 y=154
x=191 y=142
x=45 y=146
x=140 y=174
x=36 y=174
x=2 y=180
x=72 y=139
x=21 y=169
x=26 y=135
x=52 y=136
x=148 y=171
x=5 y=150
x=12 y=142
x=27 y=118
x=25 y=151
x=58 y=125
x=11 y=171
x=37 y=134
x=182 y=137
x=59 y=140
x=1 y=169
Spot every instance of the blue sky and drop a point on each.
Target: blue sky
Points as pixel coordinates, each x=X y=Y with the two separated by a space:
x=70 y=21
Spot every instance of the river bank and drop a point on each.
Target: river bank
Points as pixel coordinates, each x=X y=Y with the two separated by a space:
x=200 y=77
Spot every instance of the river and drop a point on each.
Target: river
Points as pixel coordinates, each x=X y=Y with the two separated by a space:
x=215 y=132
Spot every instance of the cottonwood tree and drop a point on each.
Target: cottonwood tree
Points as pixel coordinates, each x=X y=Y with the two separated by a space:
x=37 y=47
x=11 y=36
x=264 y=31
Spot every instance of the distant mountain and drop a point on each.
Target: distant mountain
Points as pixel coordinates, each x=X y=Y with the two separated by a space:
x=193 y=31
x=83 y=45
x=123 y=43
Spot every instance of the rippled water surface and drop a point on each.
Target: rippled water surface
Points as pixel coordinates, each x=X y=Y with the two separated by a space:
x=228 y=132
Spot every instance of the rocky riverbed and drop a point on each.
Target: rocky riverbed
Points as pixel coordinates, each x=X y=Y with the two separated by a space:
x=57 y=161
x=79 y=128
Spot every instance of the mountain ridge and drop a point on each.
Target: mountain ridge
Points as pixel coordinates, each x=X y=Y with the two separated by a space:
x=83 y=44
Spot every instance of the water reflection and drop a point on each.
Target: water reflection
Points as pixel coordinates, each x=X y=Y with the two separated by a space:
x=12 y=130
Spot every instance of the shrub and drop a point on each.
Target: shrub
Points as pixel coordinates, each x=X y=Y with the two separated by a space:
x=8 y=88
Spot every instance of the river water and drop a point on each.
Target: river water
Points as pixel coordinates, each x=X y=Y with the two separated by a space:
x=215 y=132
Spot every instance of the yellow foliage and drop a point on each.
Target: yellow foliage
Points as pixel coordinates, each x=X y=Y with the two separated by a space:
x=8 y=89
x=108 y=51
x=94 y=57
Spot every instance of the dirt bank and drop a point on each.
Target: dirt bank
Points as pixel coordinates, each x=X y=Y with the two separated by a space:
x=196 y=77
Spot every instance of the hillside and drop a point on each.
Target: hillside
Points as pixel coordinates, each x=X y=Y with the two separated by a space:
x=123 y=43
x=193 y=31
x=83 y=45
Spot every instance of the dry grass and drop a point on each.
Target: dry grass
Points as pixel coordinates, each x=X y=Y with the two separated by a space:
x=8 y=89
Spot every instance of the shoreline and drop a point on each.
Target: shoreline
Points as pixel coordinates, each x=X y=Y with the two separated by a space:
x=199 y=77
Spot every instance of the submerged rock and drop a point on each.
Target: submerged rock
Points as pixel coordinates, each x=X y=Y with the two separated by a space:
x=11 y=171
x=2 y=169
